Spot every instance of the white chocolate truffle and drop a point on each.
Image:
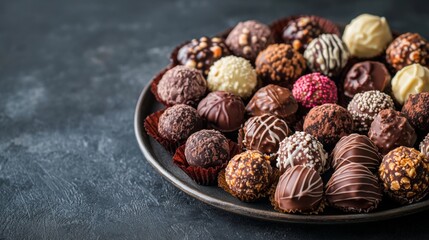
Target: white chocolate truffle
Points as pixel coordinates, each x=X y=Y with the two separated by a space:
x=411 y=79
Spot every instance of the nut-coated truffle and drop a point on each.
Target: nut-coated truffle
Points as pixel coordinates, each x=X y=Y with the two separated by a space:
x=416 y=109
x=407 y=49
x=314 y=89
x=411 y=79
x=178 y=122
x=300 y=32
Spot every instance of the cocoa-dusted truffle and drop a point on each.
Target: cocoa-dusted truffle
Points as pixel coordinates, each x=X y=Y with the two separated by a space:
x=390 y=129
x=301 y=31
x=182 y=84
x=404 y=173
x=407 y=49
x=365 y=106
x=328 y=123
x=248 y=38
x=280 y=64
x=202 y=53
x=416 y=109
x=314 y=89
x=207 y=148
x=178 y=122
x=424 y=146
x=353 y=188
x=366 y=76
x=223 y=111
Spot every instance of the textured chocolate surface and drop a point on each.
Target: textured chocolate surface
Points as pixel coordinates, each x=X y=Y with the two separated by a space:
x=178 y=122
x=300 y=32
x=424 y=146
x=407 y=49
x=416 y=109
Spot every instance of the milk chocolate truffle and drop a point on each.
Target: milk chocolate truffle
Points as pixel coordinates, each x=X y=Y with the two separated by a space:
x=404 y=173
x=300 y=189
x=178 y=122
x=300 y=32
x=390 y=129
x=328 y=123
x=222 y=110
x=280 y=64
x=411 y=79
x=248 y=38
x=314 y=89
x=202 y=53
x=248 y=175
x=353 y=188
x=303 y=149
x=207 y=148
x=182 y=84
x=326 y=54
x=366 y=76
x=407 y=49
x=365 y=106
x=424 y=146
x=232 y=74
x=367 y=36
x=355 y=148
x=416 y=109
x=264 y=133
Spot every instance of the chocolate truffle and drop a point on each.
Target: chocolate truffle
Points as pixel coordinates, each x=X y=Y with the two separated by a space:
x=365 y=106
x=303 y=149
x=355 y=148
x=366 y=76
x=280 y=64
x=404 y=173
x=328 y=123
x=314 y=89
x=390 y=129
x=182 y=84
x=300 y=189
x=353 y=188
x=367 y=36
x=248 y=175
x=411 y=79
x=424 y=146
x=178 y=122
x=300 y=32
x=272 y=99
x=264 y=133
x=407 y=49
x=248 y=38
x=232 y=74
x=416 y=109
x=207 y=148
x=202 y=53
x=222 y=110
x=326 y=54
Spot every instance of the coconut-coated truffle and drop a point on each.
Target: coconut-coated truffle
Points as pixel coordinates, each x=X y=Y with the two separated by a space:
x=314 y=89
x=178 y=122
x=301 y=31
x=407 y=49
x=411 y=79
x=416 y=109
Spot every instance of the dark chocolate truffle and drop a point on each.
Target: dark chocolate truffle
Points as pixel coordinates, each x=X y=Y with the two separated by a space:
x=202 y=53
x=404 y=173
x=178 y=122
x=223 y=111
x=328 y=123
x=407 y=49
x=248 y=38
x=390 y=129
x=353 y=188
x=182 y=84
x=301 y=31
x=424 y=146
x=416 y=109
x=207 y=148
x=366 y=76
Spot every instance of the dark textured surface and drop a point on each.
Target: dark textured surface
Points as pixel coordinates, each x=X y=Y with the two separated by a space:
x=70 y=74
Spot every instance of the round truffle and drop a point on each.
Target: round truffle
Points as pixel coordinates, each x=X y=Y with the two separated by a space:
x=314 y=89
x=407 y=49
x=202 y=53
x=182 y=84
x=248 y=175
x=416 y=109
x=411 y=79
x=222 y=110
x=367 y=36
x=232 y=74
x=248 y=38
x=280 y=64
x=424 y=146
x=207 y=148
x=328 y=123
x=390 y=129
x=404 y=173
x=365 y=106
x=178 y=122
x=300 y=189
x=353 y=188
x=366 y=76
x=300 y=32
x=326 y=54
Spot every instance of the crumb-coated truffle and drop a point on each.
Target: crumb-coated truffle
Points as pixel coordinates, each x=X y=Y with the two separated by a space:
x=301 y=31
x=411 y=79
x=314 y=89
x=424 y=146
x=407 y=49
x=391 y=129
x=248 y=38
x=404 y=173
x=178 y=122
x=416 y=109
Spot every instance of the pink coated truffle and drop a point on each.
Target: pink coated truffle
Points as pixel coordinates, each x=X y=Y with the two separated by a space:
x=314 y=89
